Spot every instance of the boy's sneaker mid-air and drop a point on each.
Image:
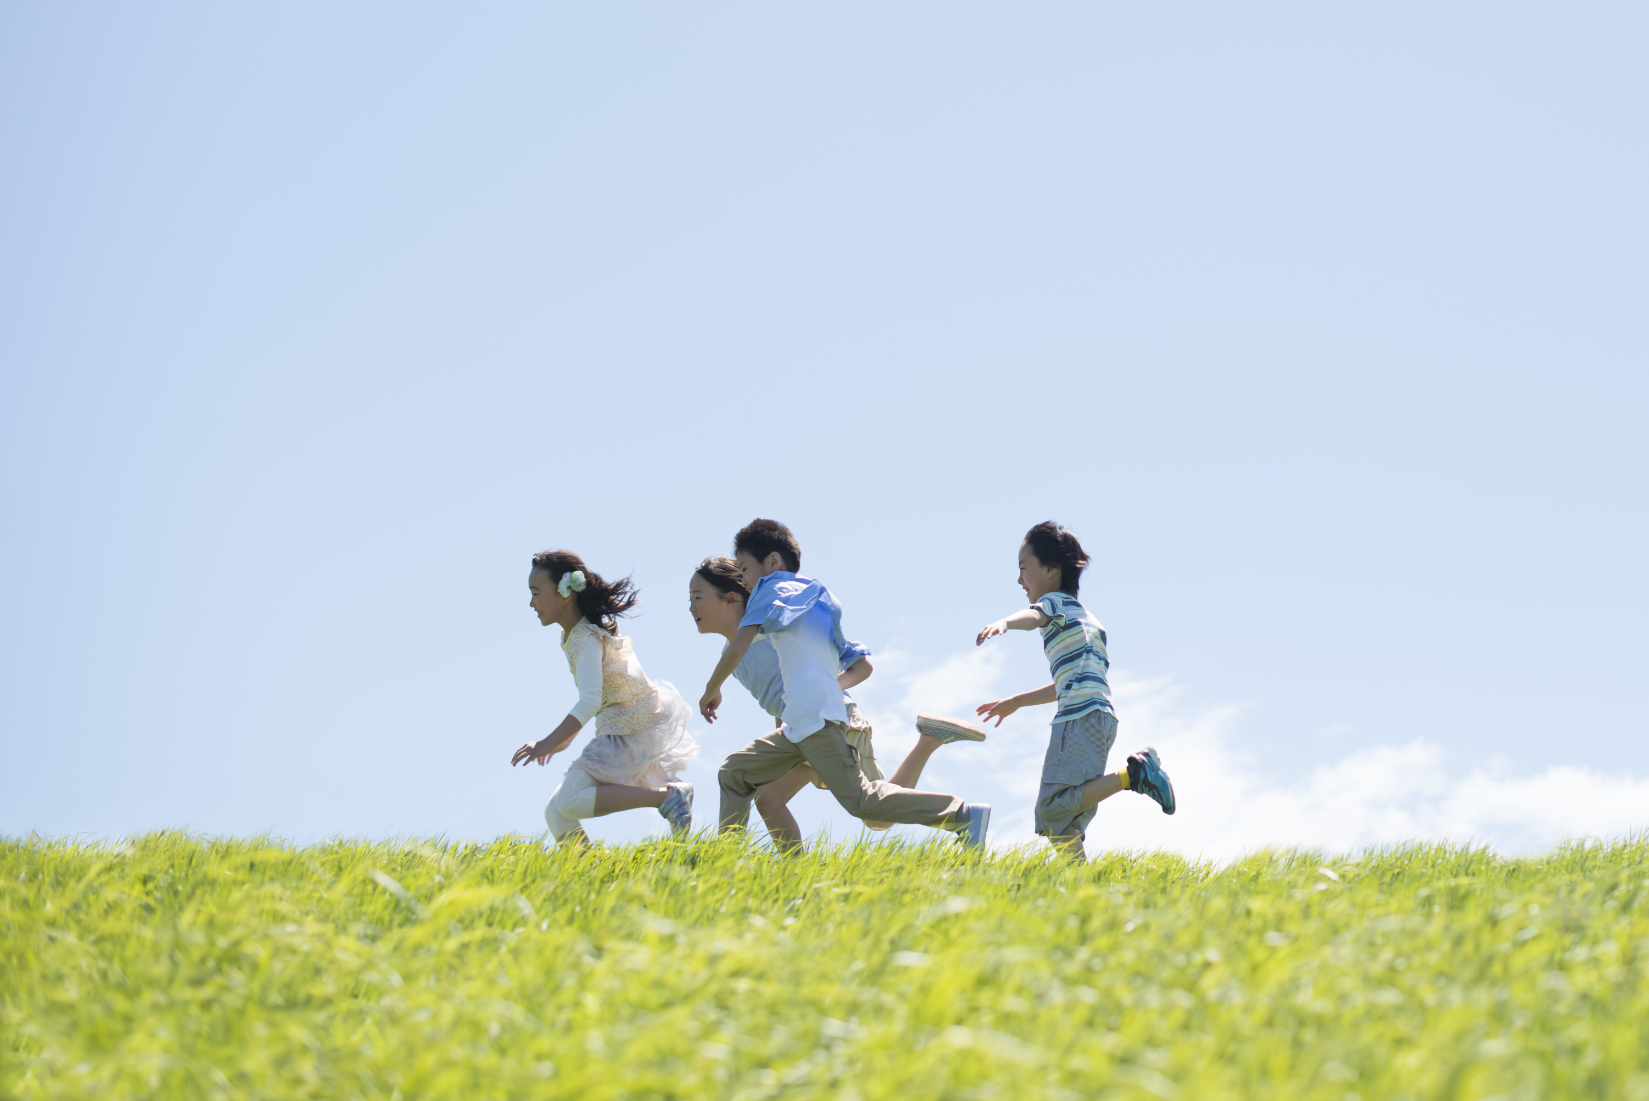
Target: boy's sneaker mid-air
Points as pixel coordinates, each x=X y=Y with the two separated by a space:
x=677 y=809
x=1145 y=776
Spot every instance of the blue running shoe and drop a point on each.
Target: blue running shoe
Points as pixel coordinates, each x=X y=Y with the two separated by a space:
x=977 y=817
x=1145 y=776
x=677 y=809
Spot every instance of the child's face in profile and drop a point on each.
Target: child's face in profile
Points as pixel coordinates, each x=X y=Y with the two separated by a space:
x=1036 y=579
x=546 y=601
x=715 y=612
x=753 y=570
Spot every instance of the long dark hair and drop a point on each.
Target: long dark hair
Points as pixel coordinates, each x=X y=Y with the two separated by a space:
x=1054 y=545
x=602 y=602
x=723 y=573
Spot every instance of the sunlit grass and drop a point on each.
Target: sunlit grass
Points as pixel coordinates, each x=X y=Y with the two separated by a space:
x=181 y=968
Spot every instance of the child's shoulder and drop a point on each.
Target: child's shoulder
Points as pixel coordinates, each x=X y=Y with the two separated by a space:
x=586 y=633
x=782 y=581
x=781 y=599
x=1062 y=608
x=787 y=589
x=1062 y=600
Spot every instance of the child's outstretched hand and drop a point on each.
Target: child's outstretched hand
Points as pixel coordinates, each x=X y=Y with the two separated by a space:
x=996 y=709
x=708 y=704
x=991 y=630
x=532 y=752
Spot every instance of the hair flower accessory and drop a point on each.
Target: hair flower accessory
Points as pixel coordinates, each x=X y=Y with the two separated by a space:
x=570 y=583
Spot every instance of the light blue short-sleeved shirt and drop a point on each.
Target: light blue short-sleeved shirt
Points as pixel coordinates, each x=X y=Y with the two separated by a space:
x=759 y=672
x=803 y=623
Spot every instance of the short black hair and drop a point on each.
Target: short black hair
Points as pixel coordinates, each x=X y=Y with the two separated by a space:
x=1054 y=545
x=760 y=538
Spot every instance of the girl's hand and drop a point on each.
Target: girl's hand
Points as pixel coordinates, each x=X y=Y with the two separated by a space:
x=996 y=709
x=534 y=751
x=708 y=704
x=991 y=630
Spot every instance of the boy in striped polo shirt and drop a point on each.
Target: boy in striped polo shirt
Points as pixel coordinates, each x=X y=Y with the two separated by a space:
x=1074 y=777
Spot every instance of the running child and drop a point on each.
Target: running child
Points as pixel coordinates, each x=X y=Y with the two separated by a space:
x=636 y=758
x=716 y=599
x=803 y=622
x=1074 y=780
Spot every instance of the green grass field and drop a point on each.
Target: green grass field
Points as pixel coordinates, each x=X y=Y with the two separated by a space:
x=179 y=968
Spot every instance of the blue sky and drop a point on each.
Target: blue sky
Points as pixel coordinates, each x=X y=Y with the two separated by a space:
x=1322 y=327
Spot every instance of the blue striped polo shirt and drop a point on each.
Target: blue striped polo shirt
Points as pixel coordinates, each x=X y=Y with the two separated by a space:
x=1075 y=644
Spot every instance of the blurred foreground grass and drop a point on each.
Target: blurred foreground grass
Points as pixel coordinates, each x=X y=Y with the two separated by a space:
x=181 y=968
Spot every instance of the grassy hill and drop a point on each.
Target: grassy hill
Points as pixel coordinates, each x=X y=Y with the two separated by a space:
x=182 y=968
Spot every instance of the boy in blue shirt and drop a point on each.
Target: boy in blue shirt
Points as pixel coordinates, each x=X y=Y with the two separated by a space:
x=803 y=623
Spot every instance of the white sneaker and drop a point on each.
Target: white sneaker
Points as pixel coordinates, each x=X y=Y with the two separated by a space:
x=943 y=730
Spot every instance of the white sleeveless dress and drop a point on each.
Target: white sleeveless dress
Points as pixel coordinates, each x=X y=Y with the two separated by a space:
x=641 y=736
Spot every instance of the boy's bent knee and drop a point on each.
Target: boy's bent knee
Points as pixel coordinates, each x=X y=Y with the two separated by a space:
x=854 y=804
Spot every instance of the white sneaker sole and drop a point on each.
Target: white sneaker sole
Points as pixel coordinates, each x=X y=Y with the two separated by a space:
x=948 y=730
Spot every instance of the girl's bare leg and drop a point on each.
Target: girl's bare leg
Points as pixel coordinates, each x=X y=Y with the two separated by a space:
x=770 y=804
x=612 y=798
x=910 y=769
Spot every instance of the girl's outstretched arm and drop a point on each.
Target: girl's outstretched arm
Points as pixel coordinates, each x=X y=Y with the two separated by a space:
x=1001 y=709
x=724 y=669
x=587 y=679
x=549 y=747
x=1025 y=619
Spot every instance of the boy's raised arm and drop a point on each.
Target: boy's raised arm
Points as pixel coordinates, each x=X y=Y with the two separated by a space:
x=724 y=668
x=1025 y=619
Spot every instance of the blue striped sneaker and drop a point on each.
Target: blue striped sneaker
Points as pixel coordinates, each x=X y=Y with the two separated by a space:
x=1145 y=776
x=677 y=809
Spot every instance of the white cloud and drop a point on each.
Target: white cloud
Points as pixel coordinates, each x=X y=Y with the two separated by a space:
x=1230 y=801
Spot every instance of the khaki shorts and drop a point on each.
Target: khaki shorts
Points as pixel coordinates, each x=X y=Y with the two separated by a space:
x=773 y=755
x=858 y=737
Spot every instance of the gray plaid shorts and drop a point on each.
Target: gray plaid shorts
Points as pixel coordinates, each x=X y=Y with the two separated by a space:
x=1077 y=749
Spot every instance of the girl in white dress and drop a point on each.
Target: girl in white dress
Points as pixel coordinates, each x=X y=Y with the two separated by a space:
x=636 y=758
